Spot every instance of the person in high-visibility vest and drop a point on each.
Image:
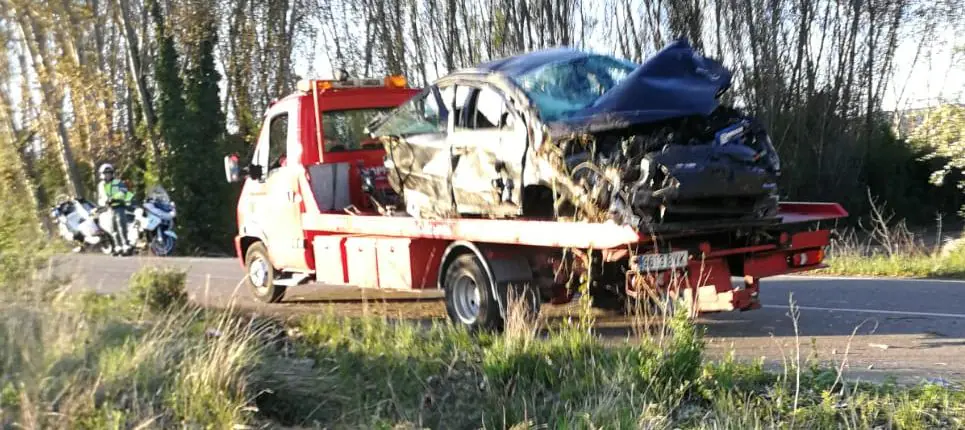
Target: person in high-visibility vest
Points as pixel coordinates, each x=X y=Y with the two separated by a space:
x=114 y=193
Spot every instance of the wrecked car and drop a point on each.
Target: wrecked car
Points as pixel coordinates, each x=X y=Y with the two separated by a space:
x=566 y=134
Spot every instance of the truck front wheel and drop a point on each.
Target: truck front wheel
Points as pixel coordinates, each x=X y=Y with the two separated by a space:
x=261 y=275
x=469 y=295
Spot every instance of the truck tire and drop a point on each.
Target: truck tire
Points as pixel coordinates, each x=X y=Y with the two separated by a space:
x=469 y=295
x=260 y=276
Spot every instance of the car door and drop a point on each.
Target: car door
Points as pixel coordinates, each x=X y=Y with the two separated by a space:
x=418 y=161
x=488 y=150
x=275 y=197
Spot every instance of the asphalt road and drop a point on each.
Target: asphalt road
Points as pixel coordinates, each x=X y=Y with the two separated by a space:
x=909 y=329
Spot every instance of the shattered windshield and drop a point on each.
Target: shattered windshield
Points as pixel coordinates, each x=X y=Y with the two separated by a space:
x=560 y=89
x=421 y=114
x=344 y=130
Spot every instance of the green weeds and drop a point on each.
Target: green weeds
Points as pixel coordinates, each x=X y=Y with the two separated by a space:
x=145 y=359
x=888 y=248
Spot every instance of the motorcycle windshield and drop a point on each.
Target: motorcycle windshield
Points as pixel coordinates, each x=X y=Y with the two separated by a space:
x=158 y=193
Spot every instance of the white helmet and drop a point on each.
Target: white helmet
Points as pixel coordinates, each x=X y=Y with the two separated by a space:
x=106 y=167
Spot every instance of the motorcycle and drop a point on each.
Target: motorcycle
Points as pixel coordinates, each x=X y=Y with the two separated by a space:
x=76 y=220
x=150 y=225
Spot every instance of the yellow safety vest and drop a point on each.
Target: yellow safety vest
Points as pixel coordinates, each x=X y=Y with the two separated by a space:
x=116 y=190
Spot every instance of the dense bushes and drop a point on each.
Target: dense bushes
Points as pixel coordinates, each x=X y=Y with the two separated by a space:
x=829 y=157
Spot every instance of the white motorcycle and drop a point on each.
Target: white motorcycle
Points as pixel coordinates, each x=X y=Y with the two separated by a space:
x=149 y=225
x=76 y=220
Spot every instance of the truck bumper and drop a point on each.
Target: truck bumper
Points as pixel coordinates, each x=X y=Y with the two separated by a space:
x=706 y=283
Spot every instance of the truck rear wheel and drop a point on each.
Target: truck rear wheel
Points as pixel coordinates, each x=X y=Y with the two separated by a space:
x=469 y=295
x=261 y=275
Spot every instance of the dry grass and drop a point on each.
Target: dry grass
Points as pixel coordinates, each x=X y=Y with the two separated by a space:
x=101 y=362
x=882 y=246
x=70 y=368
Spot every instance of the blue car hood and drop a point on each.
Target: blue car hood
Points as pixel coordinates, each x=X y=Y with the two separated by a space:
x=674 y=82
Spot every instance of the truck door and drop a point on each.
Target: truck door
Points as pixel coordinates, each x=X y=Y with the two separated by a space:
x=275 y=197
x=488 y=151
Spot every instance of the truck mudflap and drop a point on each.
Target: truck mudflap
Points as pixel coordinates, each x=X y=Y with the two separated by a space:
x=241 y=258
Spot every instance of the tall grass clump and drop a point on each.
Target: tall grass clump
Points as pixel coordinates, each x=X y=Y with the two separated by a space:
x=86 y=362
x=378 y=372
x=159 y=289
x=884 y=246
x=23 y=247
x=743 y=395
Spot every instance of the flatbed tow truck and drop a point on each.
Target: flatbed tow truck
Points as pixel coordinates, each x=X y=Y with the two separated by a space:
x=305 y=216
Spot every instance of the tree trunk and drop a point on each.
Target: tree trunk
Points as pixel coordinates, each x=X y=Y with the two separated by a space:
x=79 y=99
x=23 y=168
x=417 y=41
x=137 y=73
x=34 y=39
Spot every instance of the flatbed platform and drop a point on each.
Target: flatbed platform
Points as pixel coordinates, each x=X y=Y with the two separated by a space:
x=556 y=234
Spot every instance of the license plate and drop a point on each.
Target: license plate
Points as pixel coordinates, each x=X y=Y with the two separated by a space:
x=657 y=262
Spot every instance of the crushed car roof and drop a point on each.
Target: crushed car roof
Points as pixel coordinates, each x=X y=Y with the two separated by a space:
x=520 y=64
x=676 y=81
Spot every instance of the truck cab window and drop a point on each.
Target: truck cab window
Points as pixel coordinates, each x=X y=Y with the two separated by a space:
x=277 y=141
x=344 y=130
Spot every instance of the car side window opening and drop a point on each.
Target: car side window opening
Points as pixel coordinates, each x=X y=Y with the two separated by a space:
x=277 y=141
x=459 y=96
x=489 y=110
x=484 y=108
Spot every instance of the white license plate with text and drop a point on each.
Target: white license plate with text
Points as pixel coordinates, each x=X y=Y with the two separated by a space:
x=657 y=262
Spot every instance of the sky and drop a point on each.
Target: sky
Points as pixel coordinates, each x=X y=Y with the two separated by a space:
x=939 y=75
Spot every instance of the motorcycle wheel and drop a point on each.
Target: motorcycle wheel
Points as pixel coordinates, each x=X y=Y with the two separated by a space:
x=161 y=245
x=105 y=246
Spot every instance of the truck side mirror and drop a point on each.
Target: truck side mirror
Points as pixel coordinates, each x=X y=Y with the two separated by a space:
x=254 y=171
x=231 y=170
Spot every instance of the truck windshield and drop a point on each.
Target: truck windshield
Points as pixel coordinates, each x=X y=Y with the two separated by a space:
x=344 y=130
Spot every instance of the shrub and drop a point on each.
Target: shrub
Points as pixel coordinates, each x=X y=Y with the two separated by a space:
x=64 y=369
x=159 y=289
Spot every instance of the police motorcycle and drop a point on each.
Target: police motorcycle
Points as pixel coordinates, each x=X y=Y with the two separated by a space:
x=77 y=222
x=150 y=225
